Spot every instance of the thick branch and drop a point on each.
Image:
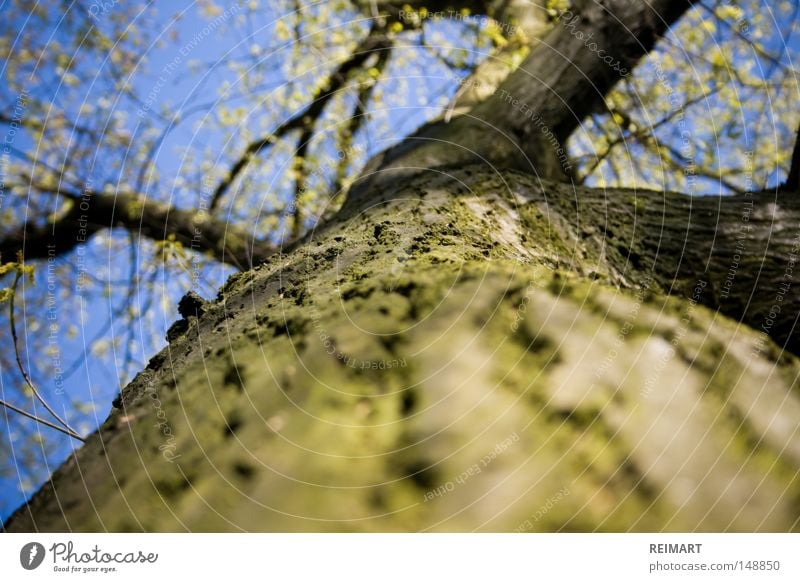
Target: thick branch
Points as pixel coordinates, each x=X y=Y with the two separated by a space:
x=92 y=212
x=793 y=179
x=526 y=123
x=589 y=51
x=744 y=247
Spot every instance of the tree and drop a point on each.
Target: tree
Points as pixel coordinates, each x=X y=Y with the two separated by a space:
x=469 y=337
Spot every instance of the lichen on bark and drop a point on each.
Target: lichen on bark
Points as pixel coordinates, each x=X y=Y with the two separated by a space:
x=454 y=353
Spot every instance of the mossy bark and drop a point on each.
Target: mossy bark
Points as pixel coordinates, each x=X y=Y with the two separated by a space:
x=463 y=351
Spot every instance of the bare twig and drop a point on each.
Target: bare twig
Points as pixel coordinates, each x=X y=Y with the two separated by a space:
x=68 y=429
x=40 y=420
x=376 y=40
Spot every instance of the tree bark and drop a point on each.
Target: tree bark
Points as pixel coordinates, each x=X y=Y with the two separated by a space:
x=466 y=347
x=468 y=350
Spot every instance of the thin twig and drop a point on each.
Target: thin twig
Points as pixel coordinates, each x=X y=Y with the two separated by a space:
x=375 y=41
x=41 y=420
x=72 y=432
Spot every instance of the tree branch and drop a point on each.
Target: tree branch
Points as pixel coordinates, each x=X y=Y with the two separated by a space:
x=792 y=182
x=527 y=121
x=376 y=40
x=357 y=119
x=36 y=125
x=15 y=341
x=90 y=212
x=743 y=246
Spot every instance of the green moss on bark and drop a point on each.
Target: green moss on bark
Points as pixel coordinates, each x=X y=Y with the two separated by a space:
x=452 y=361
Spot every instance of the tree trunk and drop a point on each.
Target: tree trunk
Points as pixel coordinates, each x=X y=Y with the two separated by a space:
x=466 y=350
